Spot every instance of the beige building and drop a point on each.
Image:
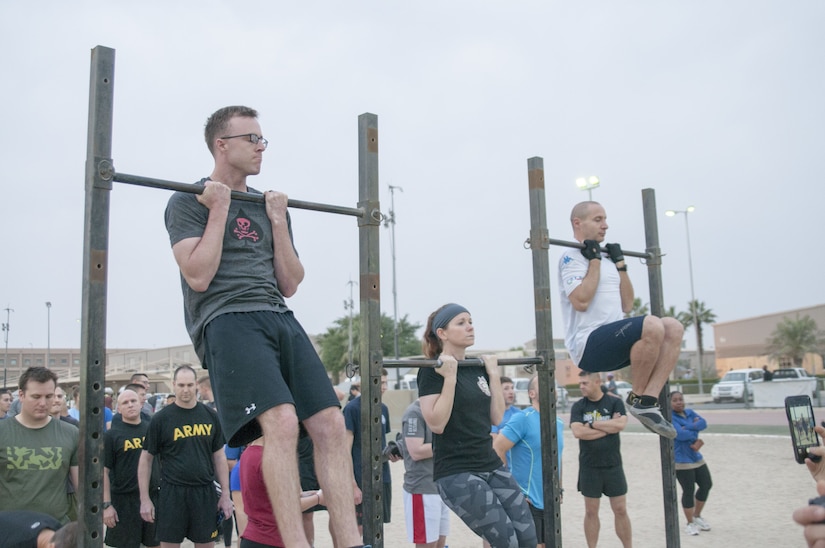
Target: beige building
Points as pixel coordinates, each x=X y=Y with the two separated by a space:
x=742 y=343
x=157 y=363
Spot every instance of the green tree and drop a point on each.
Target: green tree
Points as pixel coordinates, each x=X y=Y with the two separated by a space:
x=638 y=309
x=670 y=312
x=335 y=347
x=793 y=338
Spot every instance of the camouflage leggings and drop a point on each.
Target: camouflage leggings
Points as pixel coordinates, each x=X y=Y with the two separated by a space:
x=492 y=505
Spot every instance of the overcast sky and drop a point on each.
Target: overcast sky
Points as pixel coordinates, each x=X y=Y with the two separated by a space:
x=713 y=104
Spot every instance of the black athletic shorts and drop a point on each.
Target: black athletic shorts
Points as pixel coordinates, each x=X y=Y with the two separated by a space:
x=306 y=468
x=538 y=519
x=595 y=482
x=131 y=531
x=258 y=360
x=359 y=509
x=189 y=512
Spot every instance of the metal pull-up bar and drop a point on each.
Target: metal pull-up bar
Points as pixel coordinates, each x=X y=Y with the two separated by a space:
x=236 y=195
x=462 y=363
x=639 y=254
x=528 y=362
x=579 y=245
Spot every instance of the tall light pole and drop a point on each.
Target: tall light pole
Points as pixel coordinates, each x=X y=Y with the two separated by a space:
x=693 y=307
x=6 y=337
x=349 y=305
x=588 y=184
x=390 y=222
x=48 y=331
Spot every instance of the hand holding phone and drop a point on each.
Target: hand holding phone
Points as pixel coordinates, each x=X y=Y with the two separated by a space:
x=801 y=421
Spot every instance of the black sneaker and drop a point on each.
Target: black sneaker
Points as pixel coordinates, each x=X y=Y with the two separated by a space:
x=632 y=398
x=652 y=419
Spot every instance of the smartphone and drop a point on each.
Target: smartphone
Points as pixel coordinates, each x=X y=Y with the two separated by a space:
x=801 y=422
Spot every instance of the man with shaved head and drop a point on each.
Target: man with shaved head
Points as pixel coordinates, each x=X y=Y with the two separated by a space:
x=121 y=495
x=596 y=294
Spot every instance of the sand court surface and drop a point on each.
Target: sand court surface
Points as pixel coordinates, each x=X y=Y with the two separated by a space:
x=756 y=486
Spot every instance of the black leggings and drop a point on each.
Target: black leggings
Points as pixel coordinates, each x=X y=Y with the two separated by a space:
x=695 y=476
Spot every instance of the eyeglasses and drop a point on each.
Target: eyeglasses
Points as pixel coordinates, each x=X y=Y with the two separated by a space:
x=254 y=139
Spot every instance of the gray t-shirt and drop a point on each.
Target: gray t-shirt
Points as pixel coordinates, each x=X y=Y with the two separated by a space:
x=418 y=478
x=245 y=280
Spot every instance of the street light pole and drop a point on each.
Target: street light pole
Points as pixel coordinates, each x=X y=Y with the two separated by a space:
x=48 y=331
x=693 y=304
x=6 y=337
x=349 y=305
x=390 y=221
x=588 y=184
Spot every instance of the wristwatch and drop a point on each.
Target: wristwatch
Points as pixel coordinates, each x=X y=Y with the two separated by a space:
x=106 y=504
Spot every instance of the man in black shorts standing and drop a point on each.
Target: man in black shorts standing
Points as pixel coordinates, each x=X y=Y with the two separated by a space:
x=188 y=440
x=596 y=421
x=123 y=444
x=238 y=265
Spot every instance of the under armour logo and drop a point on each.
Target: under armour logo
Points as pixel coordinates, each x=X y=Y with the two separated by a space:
x=250 y=409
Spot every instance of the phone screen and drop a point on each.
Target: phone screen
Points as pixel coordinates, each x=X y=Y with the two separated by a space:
x=801 y=421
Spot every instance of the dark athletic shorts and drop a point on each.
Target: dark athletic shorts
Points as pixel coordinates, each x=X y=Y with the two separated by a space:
x=538 y=519
x=595 y=482
x=258 y=360
x=608 y=347
x=306 y=468
x=186 y=511
x=359 y=508
x=131 y=531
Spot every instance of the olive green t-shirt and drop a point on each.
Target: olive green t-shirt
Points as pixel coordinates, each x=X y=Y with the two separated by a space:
x=34 y=465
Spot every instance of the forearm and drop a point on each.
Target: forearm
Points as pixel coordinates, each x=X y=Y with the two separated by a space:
x=584 y=432
x=287 y=266
x=611 y=426
x=107 y=490
x=496 y=400
x=310 y=499
x=626 y=292
x=419 y=451
x=144 y=472
x=221 y=471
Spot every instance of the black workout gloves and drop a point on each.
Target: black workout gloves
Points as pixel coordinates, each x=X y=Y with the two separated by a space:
x=615 y=252
x=592 y=250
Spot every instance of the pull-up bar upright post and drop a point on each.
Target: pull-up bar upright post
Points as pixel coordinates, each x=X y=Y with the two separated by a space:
x=539 y=243
x=100 y=175
x=95 y=279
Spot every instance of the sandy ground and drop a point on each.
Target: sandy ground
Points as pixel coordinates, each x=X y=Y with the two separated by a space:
x=757 y=485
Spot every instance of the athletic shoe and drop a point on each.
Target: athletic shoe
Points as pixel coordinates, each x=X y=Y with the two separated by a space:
x=652 y=419
x=692 y=529
x=631 y=398
x=703 y=525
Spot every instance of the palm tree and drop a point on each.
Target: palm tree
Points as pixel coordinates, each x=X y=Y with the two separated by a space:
x=695 y=316
x=793 y=338
x=638 y=309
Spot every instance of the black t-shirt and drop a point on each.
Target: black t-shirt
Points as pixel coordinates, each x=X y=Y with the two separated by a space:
x=185 y=441
x=466 y=444
x=604 y=452
x=123 y=444
x=19 y=528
